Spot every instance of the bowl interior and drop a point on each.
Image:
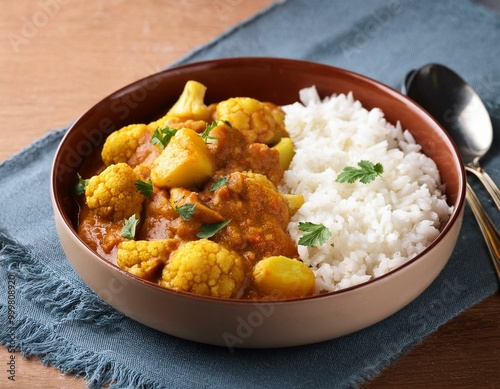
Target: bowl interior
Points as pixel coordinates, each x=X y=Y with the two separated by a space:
x=267 y=79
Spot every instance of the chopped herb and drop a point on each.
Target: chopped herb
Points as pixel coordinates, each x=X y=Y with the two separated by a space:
x=366 y=173
x=81 y=185
x=314 y=234
x=205 y=135
x=185 y=211
x=209 y=230
x=162 y=136
x=128 y=230
x=218 y=184
x=225 y=122
x=146 y=188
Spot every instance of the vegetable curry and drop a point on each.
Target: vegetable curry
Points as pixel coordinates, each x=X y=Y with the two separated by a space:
x=191 y=201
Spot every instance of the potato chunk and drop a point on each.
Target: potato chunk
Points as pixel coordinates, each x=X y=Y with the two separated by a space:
x=283 y=277
x=185 y=162
x=286 y=149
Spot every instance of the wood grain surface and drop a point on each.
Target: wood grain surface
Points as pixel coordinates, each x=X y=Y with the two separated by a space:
x=59 y=57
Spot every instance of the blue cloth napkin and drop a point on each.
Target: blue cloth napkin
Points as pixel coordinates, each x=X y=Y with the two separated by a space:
x=47 y=311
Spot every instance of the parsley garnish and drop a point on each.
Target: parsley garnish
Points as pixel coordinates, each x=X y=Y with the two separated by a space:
x=81 y=185
x=205 y=135
x=218 y=184
x=366 y=173
x=185 y=211
x=314 y=234
x=128 y=230
x=209 y=230
x=162 y=136
x=146 y=188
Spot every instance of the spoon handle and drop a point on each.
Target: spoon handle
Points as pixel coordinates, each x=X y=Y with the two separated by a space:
x=488 y=183
x=490 y=233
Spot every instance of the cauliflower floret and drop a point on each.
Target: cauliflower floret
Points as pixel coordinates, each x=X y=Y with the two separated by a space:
x=143 y=258
x=190 y=104
x=257 y=121
x=121 y=145
x=113 y=193
x=204 y=267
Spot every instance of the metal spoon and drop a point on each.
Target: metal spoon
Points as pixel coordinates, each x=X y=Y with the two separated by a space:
x=413 y=89
x=458 y=108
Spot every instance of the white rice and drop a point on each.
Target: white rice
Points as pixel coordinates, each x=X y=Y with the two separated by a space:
x=377 y=226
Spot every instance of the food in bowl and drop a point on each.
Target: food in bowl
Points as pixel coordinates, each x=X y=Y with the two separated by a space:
x=375 y=226
x=246 y=199
x=243 y=322
x=190 y=201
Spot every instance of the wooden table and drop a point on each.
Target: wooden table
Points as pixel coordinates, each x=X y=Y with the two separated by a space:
x=59 y=57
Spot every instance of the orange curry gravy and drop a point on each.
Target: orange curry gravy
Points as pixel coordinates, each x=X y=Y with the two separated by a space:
x=258 y=214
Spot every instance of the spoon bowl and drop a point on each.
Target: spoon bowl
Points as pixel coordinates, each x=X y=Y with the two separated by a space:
x=458 y=108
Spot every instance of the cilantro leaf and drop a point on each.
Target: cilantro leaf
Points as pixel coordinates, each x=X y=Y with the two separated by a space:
x=162 y=136
x=218 y=184
x=185 y=211
x=205 y=135
x=366 y=173
x=146 y=188
x=314 y=234
x=128 y=230
x=81 y=185
x=209 y=230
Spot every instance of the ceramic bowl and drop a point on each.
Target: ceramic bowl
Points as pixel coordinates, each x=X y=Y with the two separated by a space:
x=235 y=323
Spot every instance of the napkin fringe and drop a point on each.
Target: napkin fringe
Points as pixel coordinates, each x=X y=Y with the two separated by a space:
x=98 y=370
x=56 y=295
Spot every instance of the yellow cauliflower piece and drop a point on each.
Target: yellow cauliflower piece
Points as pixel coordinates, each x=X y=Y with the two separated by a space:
x=190 y=104
x=185 y=162
x=143 y=258
x=206 y=268
x=121 y=145
x=113 y=193
x=255 y=120
x=283 y=277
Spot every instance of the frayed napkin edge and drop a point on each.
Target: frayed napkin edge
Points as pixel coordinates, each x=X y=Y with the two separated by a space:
x=30 y=338
x=96 y=369
x=64 y=301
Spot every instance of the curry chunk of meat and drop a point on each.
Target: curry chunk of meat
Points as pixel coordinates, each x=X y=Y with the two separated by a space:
x=232 y=153
x=162 y=221
x=259 y=217
x=101 y=234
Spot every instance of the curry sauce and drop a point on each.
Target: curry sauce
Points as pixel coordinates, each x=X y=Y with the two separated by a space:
x=194 y=177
